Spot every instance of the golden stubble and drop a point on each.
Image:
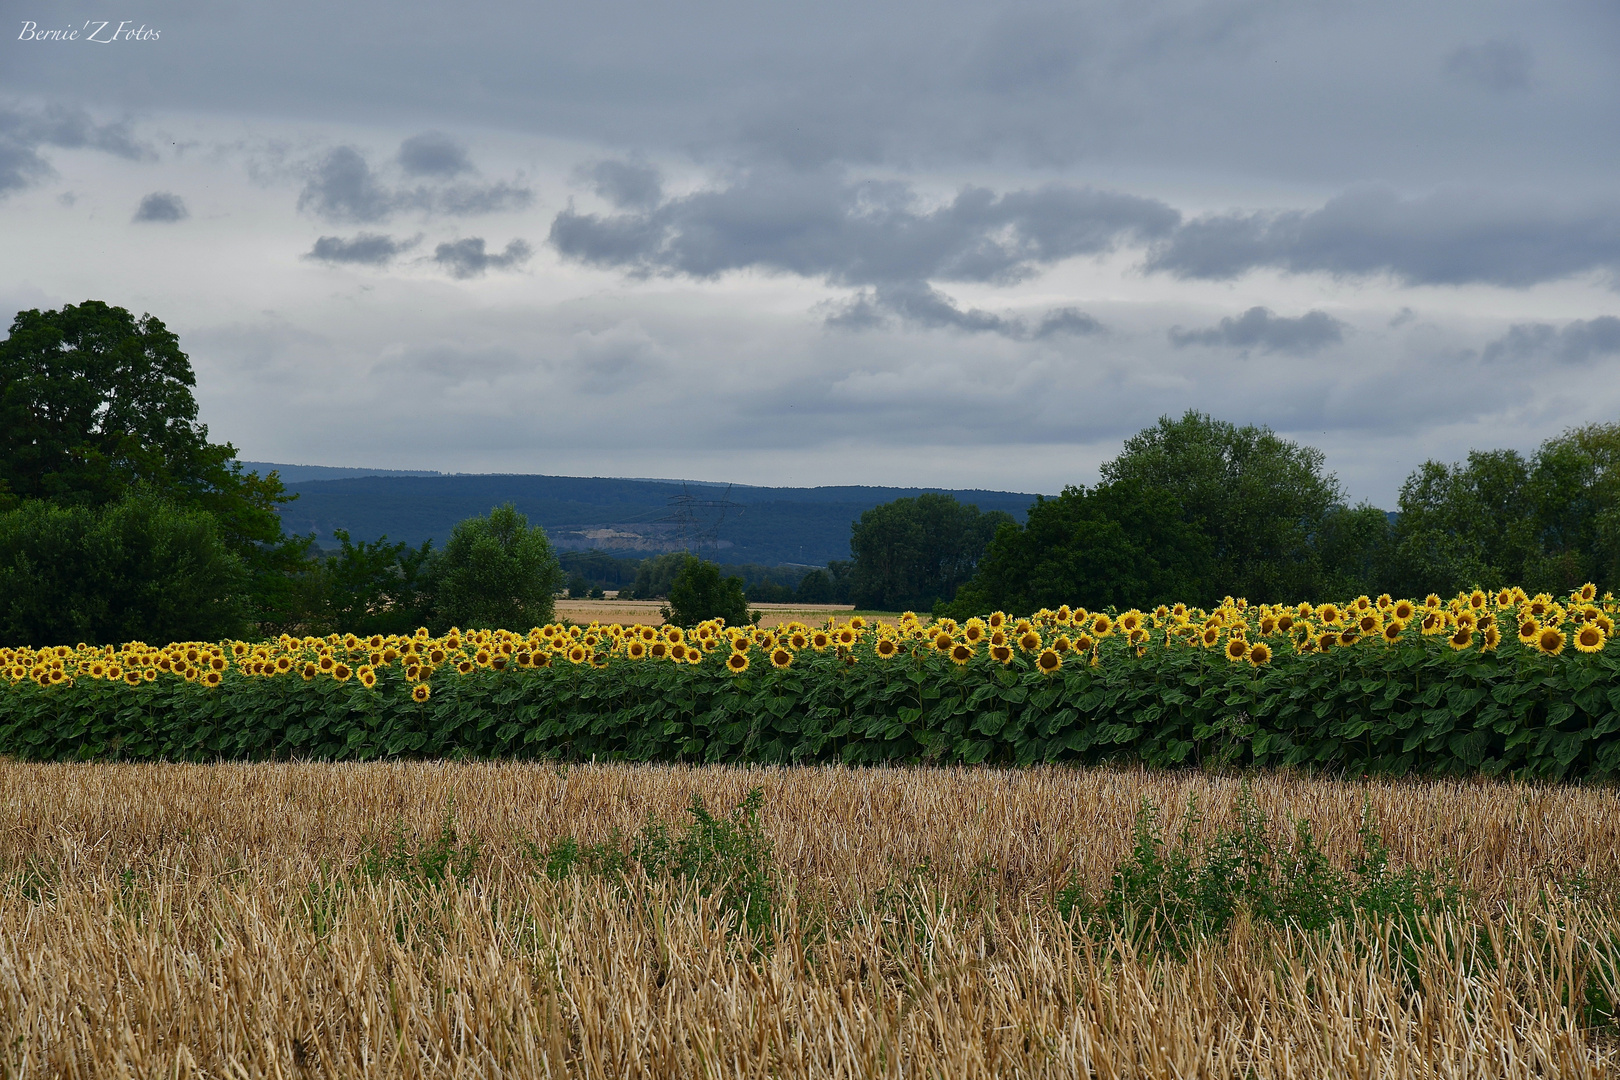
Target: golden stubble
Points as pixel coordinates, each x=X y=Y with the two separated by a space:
x=206 y=921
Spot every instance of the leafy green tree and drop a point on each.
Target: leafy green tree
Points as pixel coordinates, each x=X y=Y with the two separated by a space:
x=912 y=552
x=95 y=402
x=699 y=593
x=1117 y=545
x=495 y=571
x=372 y=587
x=655 y=575
x=1549 y=522
x=141 y=568
x=1259 y=498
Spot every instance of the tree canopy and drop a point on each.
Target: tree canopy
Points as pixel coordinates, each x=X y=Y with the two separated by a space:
x=1259 y=498
x=495 y=571
x=1118 y=544
x=699 y=593
x=912 y=552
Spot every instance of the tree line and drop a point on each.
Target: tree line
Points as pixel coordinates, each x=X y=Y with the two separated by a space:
x=120 y=519
x=1195 y=509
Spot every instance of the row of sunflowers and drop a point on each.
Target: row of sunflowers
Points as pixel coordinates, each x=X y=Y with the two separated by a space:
x=1046 y=641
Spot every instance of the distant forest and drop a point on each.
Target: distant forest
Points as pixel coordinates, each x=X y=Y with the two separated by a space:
x=629 y=519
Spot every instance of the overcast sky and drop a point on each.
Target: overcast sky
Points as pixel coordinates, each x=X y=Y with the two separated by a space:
x=943 y=244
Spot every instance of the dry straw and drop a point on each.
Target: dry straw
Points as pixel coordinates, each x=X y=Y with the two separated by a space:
x=207 y=921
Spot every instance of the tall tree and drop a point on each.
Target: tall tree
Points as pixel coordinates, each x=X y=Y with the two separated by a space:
x=495 y=571
x=95 y=402
x=1260 y=499
x=912 y=552
x=1120 y=545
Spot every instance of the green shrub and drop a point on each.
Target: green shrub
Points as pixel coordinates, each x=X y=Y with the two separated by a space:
x=1169 y=896
x=729 y=858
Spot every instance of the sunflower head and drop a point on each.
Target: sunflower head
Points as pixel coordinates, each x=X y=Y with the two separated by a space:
x=1550 y=642
x=421 y=692
x=1404 y=610
x=781 y=658
x=678 y=651
x=1392 y=630
x=1259 y=654
x=887 y=647
x=1462 y=638
x=1590 y=638
x=961 y=653
x=1587 y=593
x=1029 y=641
x=1237 y=649
x=1101 y=624
x=212 y=678
x=1049 y=661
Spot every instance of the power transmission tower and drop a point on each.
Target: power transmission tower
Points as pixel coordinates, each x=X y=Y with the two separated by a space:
x=697 y=521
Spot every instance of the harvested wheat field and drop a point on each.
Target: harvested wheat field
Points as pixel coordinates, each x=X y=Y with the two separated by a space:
x=486 y=920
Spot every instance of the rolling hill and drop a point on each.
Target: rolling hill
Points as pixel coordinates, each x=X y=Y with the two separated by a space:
x=736 y=524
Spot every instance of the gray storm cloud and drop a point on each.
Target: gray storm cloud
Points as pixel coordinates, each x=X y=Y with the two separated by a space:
x=365 y=249
x=1577 y=342
x=433 y=153
x=1259 y=328
x=25 y=131
x=162 y=206
x=467 y=258
x=922 y=307
x=853 y=233
x=341 y=187
x=1450 y=237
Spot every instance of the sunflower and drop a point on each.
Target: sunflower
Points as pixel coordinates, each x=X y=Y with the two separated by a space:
x=309 y=670
x=1587 y=592
x=1130 y=620
x=1329 y=614
x=326 y=663
x=961 y=653
x=1369 y=623
x=1529 y=630
x=1590 y=639
x=1433 y=602
x=1268 y=624
x=887 y=647
x=847 y=637
x=368 y=677
x=283 y=664
x=1434 y=622
x=636 y=649
x=658 y=649
x=132 y=677
x=1392 y=630
x=973 y=631
x=1326 y=640
x=1504 y=598
x=737 y=663
x=1463 y=638
x=1404 y=610
x=421 y=692
x=678 y=651
x=1550 y=642
x=1259 y=653
x=1493 y=637
x=1211 y=636
x=819 y=640
x=342 y=672
x=1101 y=624
x=1237 y=649
x=782 y=659
x=1029 y=641
x=996 y=620
x=1062 y=644
x=1049 y=661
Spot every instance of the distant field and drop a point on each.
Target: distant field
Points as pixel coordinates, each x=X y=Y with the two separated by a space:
x=640 y=612
x=337 y=920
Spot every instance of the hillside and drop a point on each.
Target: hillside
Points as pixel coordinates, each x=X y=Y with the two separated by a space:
x=806 y=526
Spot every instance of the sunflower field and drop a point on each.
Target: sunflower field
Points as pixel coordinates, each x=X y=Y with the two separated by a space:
x=1492 y=683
